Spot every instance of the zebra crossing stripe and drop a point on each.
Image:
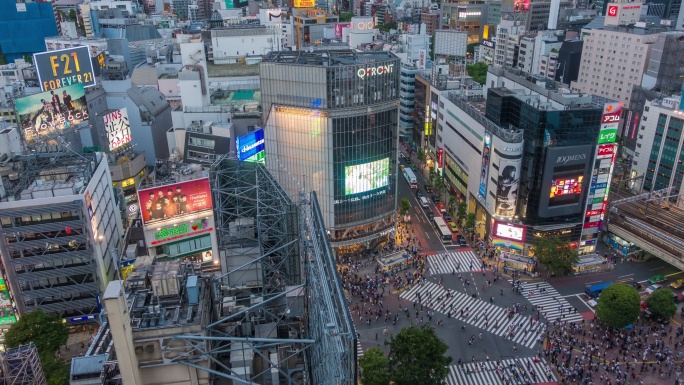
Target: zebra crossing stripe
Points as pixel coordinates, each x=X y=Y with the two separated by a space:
x=485 y=373
x=359 y=349
x=526 y=333
x=550 y=301
x=459 y=262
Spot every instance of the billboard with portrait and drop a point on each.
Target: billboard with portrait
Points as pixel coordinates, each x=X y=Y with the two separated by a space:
x=521 y=5
x=366 y=177
x=250 y=144
x=565 y=183
x=175 y=201
x=507 y=187
x=7 y=315
x=509 y=231
x=45 y=115
x=484 y=169
x=118 y=128
x=65 y=67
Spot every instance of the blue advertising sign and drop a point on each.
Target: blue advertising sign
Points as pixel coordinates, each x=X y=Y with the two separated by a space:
x=250 y=144
x=598 y=186
x=484 y=174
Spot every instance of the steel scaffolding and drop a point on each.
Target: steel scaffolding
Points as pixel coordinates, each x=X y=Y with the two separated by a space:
x=21 y=366
x=294 y=321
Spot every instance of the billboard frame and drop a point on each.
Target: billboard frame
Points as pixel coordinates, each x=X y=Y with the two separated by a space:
x=79 y=63
x=207 y=208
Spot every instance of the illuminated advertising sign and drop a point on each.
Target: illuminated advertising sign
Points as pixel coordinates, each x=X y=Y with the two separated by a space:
x=566 y=191
x=484 y=169
x=488 y=44
x=304 y=3
x=181 y=231
x=44 y=115
x=7 y=315
x=117 y=128
x=612 y=11
x=606 y=150
x=608 y=135
x=338 y=28
x=250 y=144
x=175 y=201
x=507 y=187
x=62 y=68
x=366 y=177
x=373 y=71
x=422 y=59
x=610 y=118
x=440 y=158
x=509 y=231
x=521 y=5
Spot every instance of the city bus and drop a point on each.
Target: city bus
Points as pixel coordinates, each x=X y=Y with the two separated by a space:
x=443 y=230
x=594 y=291
x=410 y=178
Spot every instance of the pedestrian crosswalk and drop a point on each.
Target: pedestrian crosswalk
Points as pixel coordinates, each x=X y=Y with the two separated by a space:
x=458 y=262
x=359 y=349
x=519 y=328
x=553 y=305
x=510 y=371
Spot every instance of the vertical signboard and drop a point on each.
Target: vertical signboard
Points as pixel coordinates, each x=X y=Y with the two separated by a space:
x=507 y=187
x=604 y=160
x=440 y=158
x=484 y=170
x=117 y=128
x=7 y=315
x=422 y=59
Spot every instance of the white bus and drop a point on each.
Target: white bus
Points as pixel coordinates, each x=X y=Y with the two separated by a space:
x=443 y=230
x=410 y=178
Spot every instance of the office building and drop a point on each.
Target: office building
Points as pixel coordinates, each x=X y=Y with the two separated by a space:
x=466 y=16
x=61 y=234
x=569 y=59
x=331 y=127
x=310 y=24
x=508 y=34
x=23 y=28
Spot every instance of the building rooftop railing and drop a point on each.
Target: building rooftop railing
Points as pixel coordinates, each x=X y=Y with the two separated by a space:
x=463 y=101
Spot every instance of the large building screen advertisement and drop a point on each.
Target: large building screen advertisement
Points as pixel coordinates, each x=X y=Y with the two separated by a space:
x=7 y=315
x=45 y=115
x=251 y=146
x=509 y=231
x=117 y=128
x=366 y=177
x=175 y=201
x=507 y=187
x=484 y=170
x=566 y=190
x=564 y=184
x=63 y=68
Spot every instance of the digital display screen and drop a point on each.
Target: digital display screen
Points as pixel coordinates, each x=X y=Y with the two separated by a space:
x=175 y=201
x=250 y=144
x=508 y=231
x=565 y=190
x=366 y=177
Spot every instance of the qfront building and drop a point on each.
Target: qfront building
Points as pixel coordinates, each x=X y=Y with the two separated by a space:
x=331 y=127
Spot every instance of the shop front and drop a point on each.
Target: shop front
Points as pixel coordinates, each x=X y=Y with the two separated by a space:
x=623 y=247
x=590 y=263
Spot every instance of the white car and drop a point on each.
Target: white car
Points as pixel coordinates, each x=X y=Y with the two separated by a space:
x=592 y=303
x=652 y=288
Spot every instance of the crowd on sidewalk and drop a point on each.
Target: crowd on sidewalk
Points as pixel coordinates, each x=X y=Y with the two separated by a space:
x=592 y=354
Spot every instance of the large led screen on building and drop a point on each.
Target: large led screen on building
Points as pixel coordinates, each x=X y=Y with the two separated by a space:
x=509 y=231
x=507 y=187
x=250 y=145
x=484 y=170
x=44 y=115
x=117 y=128
x=175 y=201
x=366 y=177
x=565 y=183
x=7 y=315
x=63 y=68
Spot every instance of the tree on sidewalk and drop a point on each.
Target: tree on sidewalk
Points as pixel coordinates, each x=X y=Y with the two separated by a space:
x=462 y=213
x=556 y=254
x=417 y=356
x=661 y=303
x=404 y=206
x=374 y=367
x=618 y=305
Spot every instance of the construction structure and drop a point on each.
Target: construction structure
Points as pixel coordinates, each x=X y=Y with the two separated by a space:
x=276 y=314
x=21 y=366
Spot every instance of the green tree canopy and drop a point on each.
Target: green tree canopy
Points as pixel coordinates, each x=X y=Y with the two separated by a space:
x=661 y=303
x=462 y=211
x=387 y=26
x=618 y=305
x=470 y=221
x=72 y=15
x=478 y=72
x=345 y=16
x=555 y=253
x=452 y=204
x=374 y=367
x=46 y=331
x=404 y=207
x=417 y=356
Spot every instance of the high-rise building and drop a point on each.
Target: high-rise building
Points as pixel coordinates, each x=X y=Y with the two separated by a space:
x=331 y=126
x=23 y=28
x=508 y=34
x=61 y=234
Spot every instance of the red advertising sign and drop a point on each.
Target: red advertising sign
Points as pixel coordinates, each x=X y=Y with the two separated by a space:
x=612 y=10
x=606 y=149
x=591 y=225
x=175 y=201
x=338 y=28
x=592 y=213
x=611 y=118
x=440 y=158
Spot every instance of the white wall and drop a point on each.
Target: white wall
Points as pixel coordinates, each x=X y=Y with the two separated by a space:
x=229 y=49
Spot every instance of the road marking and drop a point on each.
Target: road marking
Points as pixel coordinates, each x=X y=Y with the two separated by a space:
x=628 y=275
x=426 y=234
x=658 y=268
x=572 y=295
x=589 y=283
x=670 y=275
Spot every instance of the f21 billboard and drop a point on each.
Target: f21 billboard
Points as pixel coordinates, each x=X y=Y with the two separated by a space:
x=566 y=180
x=66 y=67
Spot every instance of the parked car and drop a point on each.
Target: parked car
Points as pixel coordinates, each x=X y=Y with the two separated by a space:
x=447 y=217
x=677 y=284
x=419 y=193
x=657 y=279
x=635 y=285
x=431 y=215
x=452 y=226
x=652 y=288
x=428 y=189
x=435 y=198
x=462 y=240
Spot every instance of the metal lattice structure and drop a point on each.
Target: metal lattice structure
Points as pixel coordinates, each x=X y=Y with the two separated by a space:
x=294 y=320
x=21 y=366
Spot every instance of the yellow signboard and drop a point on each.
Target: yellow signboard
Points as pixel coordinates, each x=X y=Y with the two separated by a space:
x=304 y=3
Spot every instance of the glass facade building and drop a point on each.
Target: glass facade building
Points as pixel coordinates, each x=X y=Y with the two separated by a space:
x=331 y=126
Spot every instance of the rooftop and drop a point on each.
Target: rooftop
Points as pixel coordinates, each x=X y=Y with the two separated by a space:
x=474 y=104
x=328 y=58
x=87 y=366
